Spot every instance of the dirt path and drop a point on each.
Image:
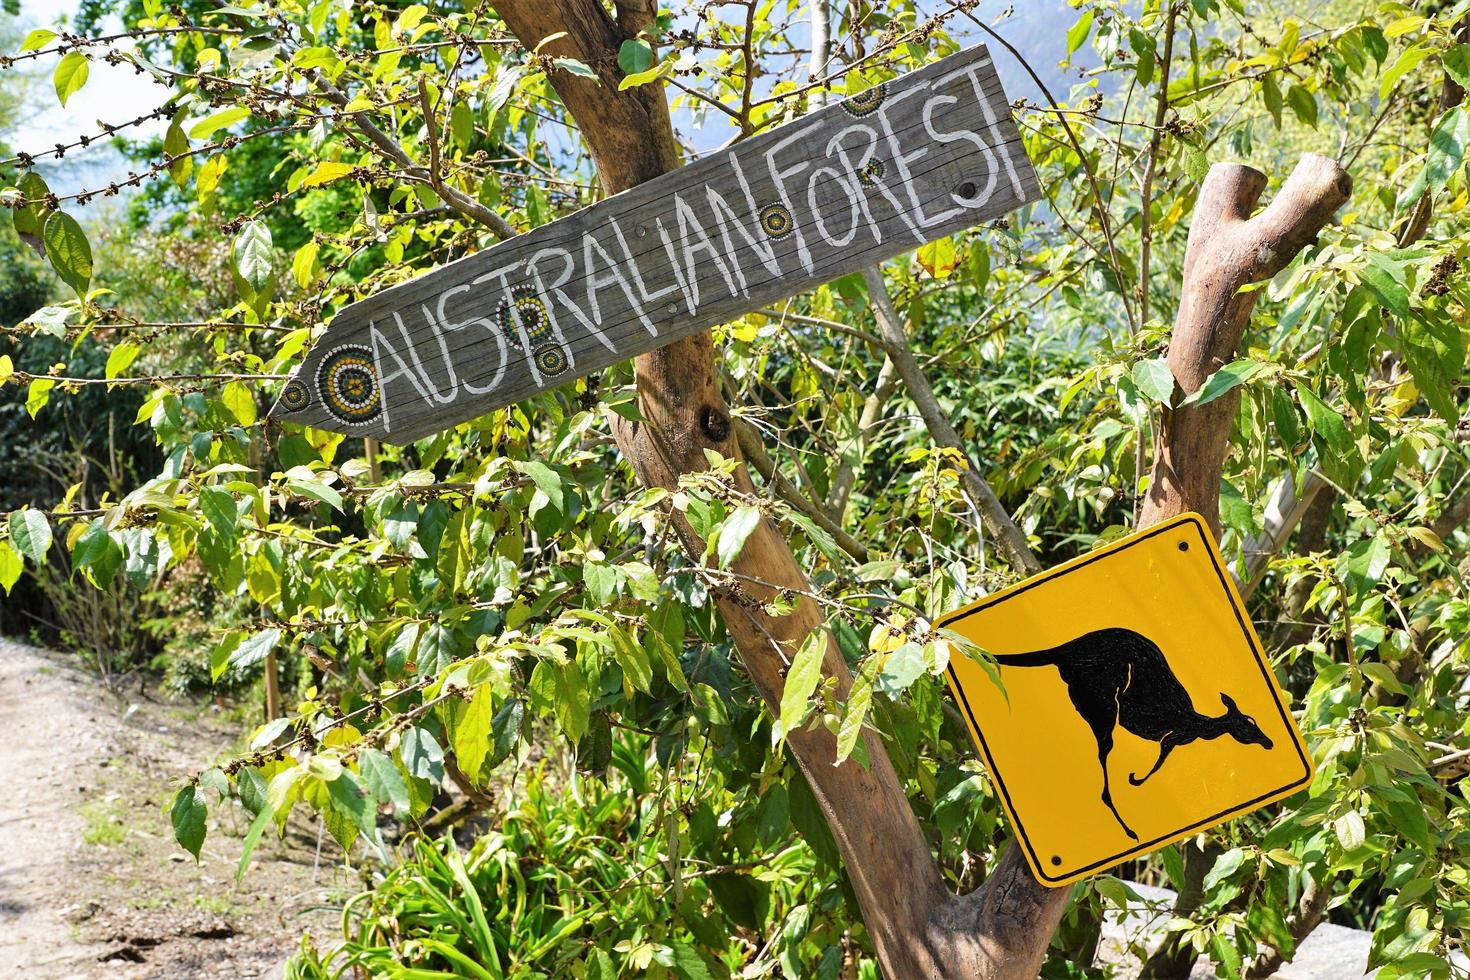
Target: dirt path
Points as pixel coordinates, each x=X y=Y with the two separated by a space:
x=91 y=881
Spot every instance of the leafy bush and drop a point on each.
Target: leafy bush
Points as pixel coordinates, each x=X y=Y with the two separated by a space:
x=571 y=874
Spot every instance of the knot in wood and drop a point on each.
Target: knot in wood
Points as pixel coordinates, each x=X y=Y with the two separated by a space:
x=714 y=423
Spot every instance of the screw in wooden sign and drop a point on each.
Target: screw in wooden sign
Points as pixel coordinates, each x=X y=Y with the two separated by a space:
x=1129 y=704
x=888 y=169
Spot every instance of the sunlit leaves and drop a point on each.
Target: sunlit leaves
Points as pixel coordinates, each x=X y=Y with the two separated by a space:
x=69 y=252
x=30 y=534
x=801 y=679
x=734 y=532
x=1154 y=379
x=255 y=648
x=634 y=56
x=225 y=118
x=37 y=39
x=187 y=814
x=1447 y=144
x=70 y=75
x=326 y=172
x=938 y=258
x=253 y=265
x=11 y=565
x=1078 y=32
x=96 y=554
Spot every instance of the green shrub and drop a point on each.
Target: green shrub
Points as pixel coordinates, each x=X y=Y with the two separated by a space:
x=575 y=881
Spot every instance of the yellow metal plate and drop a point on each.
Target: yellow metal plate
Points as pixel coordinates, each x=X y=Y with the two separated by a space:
x=1140 y=656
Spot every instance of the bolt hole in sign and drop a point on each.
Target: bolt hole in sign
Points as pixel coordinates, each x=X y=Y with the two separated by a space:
x=1134 y=705
x=866 y=178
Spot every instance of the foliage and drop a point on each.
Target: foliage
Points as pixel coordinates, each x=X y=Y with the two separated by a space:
x=570 y=881
x=508 y=578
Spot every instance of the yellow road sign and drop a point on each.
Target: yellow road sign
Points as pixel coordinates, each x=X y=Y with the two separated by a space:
x=1138 y=707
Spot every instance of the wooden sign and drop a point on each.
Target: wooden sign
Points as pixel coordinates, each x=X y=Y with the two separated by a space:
x=1137 y=706
x=857 y=182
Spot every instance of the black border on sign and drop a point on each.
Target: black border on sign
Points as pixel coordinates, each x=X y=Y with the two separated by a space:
x=1250 y=639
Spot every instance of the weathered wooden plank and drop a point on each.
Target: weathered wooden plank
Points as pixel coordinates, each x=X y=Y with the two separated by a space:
x=854 y=183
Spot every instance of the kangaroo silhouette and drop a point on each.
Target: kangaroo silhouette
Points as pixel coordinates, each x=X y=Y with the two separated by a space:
x=1119 y=677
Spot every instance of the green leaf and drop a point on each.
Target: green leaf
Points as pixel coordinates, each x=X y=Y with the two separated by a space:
x=176 y=148
x=304 y=266
x=96 y=554
x=252 y=256
x=507 y=78
x=594 y=750
x=326 y=172
x=633 y=659
x=601 y=580
x=573 y=703
x=1196 y=164
x=1456 y=64
x=575 y=67
x=472 y=731
x=240 y=401
x=1154 y=380
x=68 y=251
x=351 y=799
x=30 y=533
x=1407 y=62
x=1303 y=103
x=120 y=358
x=900 y=669
x=38 y=394
x=734 y=532
x=1350 y=831
x=384 y=779
x=1225 y=866
x=1228 y=378
x=210 y=125
x=218 y=507
x=1447 y=147
x=547 y=480
x=600 y=966
x=187 y=814
x=851 y=727
x=801 y=679
x=685 y=962
x=316 y=491
x=70 y=75
x=421 y=754
x=1384 y=278
x=37 y=39
x=1077 y=33
x=10 y=566
x=30 y=221
x=505 y=731
x=635 y=56
x=252 y=837
x=1336 y=453
x=255 y=648
x=1143 y=50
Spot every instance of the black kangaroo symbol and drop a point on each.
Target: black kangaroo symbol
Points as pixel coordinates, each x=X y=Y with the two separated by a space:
x=1116 y=676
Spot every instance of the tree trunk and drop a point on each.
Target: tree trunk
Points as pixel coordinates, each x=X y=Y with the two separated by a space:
x=919 y=928
x=1227 y=249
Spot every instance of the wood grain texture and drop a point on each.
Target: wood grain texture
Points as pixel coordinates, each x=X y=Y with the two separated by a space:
x=854 y=183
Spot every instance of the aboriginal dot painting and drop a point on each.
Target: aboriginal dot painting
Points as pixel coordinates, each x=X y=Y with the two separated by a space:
x=871 y=173
x=347 y=383
x=865 y=103
x=550 y=359
x=295 y=396
x=776 y=220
